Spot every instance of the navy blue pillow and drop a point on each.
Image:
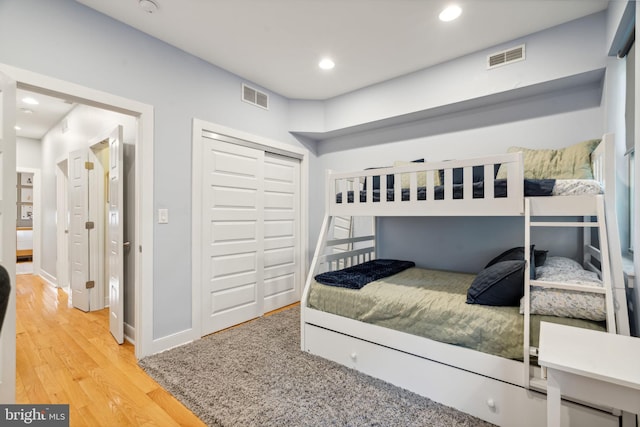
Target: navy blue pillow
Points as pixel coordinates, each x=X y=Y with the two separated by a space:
x=376 y=181
x=501 y=284
x=537 y=258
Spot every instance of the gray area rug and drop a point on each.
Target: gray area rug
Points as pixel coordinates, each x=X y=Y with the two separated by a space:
x=256 y=375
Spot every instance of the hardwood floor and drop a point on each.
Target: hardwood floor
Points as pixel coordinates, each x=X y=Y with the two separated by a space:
x=66 y=356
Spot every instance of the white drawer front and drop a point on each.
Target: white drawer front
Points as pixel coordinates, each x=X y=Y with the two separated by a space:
x=494 y=401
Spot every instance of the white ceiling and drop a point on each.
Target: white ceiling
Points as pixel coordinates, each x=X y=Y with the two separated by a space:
x=35 y=121
x=277 y=44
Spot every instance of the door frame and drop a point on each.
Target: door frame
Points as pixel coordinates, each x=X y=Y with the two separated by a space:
x=144 y=184
x=199 y=127
x=8 y=175
x=62 y=226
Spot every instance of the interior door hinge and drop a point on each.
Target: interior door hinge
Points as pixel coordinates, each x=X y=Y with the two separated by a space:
x=88 y=165
x=90 y=284
x=89 y=225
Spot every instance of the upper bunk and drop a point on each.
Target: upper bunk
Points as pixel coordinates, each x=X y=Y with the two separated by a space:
x=484 y=186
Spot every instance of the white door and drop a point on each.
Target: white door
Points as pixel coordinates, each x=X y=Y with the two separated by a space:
x=115 y=233
x=8 y=234
x=81 y=285
x=282 y=275
x=232 y=262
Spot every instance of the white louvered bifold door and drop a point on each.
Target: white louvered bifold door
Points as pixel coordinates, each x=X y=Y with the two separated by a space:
x=232 y=261
x=281 y=231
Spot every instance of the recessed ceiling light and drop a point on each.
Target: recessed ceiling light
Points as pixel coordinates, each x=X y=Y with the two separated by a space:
x=450 y=13
x=326 y=64
x=16 y=127
x=30 y=101
x=148 y=6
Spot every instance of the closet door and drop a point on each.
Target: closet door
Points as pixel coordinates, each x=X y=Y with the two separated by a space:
x=233 y=210
x=282 y=275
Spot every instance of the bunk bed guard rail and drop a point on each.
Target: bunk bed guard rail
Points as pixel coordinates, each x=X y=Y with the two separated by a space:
x=430 y=189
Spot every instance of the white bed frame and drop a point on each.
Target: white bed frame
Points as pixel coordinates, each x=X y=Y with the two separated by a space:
x=498 y=390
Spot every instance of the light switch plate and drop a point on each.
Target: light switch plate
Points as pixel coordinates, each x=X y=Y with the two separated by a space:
x=163 y=216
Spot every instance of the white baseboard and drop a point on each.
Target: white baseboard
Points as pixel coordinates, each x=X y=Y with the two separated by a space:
x=130 y=333
x=175 y=340
x=49 y=278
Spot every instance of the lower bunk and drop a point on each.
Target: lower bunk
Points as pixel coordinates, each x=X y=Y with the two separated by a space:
x=435 y=304
x=467 y=356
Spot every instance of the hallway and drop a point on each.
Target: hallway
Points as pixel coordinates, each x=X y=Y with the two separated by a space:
x=66 y=356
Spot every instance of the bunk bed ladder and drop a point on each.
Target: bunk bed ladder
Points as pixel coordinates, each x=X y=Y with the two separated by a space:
x=334 y=252
x=602 y=254
x=527 y=295
x=320 y=247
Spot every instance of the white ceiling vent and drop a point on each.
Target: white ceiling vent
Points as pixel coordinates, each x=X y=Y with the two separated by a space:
x=505 y=57
x=255 y=97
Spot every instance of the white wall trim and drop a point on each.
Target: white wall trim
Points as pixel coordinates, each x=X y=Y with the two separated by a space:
x=62 y=237
x=8 y=182
x=48 y=277
x=130 y=333
x=170 y=341
x=200 y=126
x=143 y=186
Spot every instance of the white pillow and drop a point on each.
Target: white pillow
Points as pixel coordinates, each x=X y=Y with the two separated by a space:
x=576 y=187
x=561 y=263
x=564 y=303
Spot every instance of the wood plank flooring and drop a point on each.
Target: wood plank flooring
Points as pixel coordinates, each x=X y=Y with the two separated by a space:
x=66 y=356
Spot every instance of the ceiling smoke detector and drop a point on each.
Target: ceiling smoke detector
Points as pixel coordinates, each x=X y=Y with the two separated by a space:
x=148 y=6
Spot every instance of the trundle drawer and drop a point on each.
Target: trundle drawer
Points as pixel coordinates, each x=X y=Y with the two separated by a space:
x=491 y=400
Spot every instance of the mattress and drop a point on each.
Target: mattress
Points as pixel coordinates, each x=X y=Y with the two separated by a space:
x=432 y=304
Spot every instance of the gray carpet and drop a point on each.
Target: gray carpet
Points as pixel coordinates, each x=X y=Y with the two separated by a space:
x=256 y=375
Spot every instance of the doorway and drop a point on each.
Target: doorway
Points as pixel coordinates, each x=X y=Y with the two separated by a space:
x=142 y=114
x=97 y=214
x=27 y=230
x=84 y=166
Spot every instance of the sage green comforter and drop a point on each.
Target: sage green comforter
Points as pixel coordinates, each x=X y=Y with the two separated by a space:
x=432 y=304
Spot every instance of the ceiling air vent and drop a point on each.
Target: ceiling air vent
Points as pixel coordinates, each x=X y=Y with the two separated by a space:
x=255 y=97
x=505 y=57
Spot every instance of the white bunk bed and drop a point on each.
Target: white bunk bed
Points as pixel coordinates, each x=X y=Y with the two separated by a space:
x=499 y=390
